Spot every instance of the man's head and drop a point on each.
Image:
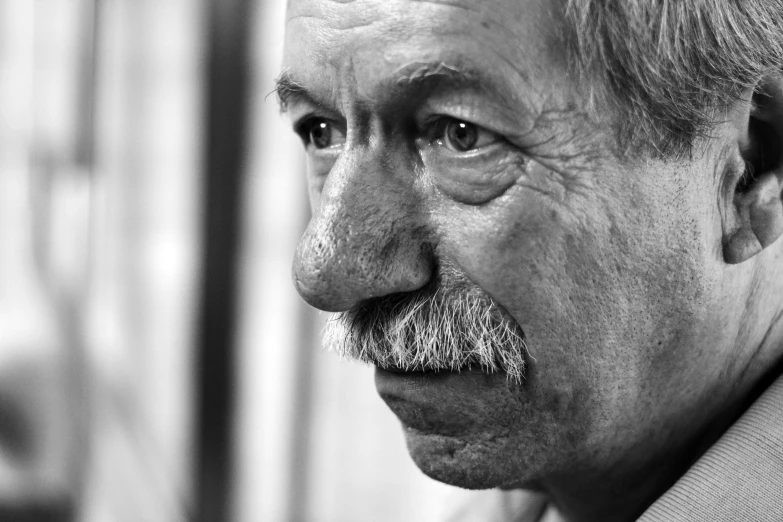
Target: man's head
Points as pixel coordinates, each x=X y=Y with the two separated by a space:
x=554 y=226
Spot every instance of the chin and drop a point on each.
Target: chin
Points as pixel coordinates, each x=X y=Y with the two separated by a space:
x=458 y=462
x=468 y=429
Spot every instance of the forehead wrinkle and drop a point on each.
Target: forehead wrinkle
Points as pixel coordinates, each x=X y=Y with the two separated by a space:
x=450 y=3
x=514 y=81
x=416 y=71
x=340 y=26
x=360 y=14
x=339 y=15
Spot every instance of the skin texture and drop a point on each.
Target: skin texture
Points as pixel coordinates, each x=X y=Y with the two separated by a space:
x=647 y=326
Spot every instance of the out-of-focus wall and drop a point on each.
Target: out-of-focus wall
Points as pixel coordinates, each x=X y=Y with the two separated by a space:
x=37 y=436
x=99 y=171
x=146 y=231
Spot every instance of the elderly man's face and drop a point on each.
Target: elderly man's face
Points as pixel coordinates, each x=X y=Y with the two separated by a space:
x=451 y=154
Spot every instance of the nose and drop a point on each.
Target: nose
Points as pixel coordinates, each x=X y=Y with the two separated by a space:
x=367 y=238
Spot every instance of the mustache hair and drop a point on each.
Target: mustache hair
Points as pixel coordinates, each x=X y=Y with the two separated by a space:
x=449 y=324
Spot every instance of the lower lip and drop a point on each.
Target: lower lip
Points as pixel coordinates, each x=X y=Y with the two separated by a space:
x=414 y=385
x=435 y=402
x=400 y=383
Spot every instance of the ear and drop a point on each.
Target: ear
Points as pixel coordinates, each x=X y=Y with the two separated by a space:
x=754 y=217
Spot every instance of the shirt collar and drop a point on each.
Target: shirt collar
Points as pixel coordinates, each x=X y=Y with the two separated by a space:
x=739 y=478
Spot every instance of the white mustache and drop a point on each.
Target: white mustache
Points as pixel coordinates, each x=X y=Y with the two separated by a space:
x=448 y=325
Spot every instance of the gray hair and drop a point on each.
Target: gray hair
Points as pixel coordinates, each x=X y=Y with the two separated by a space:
x=671 y=67
x=448 y=325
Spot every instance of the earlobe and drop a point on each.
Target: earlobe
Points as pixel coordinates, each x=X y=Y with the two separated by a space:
x=755 y=219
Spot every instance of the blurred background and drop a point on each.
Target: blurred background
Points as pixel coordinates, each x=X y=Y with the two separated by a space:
x=155 y=362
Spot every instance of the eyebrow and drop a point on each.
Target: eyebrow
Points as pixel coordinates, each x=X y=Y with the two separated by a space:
x=288 y=88
x=414 y=80
x=417 y=72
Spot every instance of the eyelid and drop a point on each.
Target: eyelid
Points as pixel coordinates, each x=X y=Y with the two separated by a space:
x=490 y=114
x=301 y=111
x=303 y=122
x=301 y=125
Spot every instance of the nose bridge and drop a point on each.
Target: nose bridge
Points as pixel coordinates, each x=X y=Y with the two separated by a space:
x=367 y=238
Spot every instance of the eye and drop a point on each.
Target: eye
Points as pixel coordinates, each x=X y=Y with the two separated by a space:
x=320 y=133
x=461 y=136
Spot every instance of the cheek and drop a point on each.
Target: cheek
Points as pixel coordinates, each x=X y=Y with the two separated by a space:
x=551 y=276
x=546 y=269
x=600 y=299
x=317 y=171
x=618 y=303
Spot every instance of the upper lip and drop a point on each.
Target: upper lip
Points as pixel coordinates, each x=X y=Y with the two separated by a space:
x=397 y=369
x=428 y=371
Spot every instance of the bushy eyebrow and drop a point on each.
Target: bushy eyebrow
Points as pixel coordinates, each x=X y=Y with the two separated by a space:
x=288 y=88
x=415 y=80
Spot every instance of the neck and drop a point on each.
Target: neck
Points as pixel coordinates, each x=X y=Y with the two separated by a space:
x=623 y=493
x=609 y=499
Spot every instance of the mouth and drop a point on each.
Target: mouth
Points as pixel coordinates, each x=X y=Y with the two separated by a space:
x=421 y=385
x=436 y=401
x=415 y=397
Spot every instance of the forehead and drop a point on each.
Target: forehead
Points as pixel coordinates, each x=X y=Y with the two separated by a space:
x=356 y=44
